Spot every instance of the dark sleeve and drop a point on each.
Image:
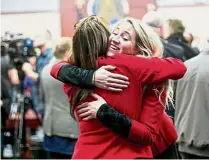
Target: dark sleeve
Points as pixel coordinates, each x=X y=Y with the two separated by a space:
x=67 y=73
x=76 y=76
x=112 y=119
x=144 y=130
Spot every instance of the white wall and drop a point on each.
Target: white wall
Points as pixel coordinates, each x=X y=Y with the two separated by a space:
x=20 y=6
x=163 y=3
x=31 y=24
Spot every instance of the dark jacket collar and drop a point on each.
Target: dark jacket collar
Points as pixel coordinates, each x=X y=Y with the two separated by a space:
x=177 y=37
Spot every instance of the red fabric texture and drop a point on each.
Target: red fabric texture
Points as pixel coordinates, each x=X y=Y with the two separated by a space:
x=159 y=125
x=97 y=141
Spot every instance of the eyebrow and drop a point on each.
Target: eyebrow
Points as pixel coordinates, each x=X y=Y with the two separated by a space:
x=127 y=33
x=124 y=31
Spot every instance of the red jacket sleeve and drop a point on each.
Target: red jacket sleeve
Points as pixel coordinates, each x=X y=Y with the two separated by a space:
x=151 y=70
x=55 y=68
x=145 y=130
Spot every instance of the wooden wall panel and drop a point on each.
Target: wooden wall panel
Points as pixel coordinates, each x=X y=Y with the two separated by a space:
x=68 y=17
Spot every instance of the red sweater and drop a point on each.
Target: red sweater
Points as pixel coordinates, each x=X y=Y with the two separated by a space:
x=141 y=71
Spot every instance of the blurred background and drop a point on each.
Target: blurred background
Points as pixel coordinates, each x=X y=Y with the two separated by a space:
x=30 y=31
x=58 y=16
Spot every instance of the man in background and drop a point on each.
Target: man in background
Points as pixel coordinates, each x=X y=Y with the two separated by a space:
x=173 y=32
x=192 y=108
x=156 y=21
x=61 y=130
x=43 y=42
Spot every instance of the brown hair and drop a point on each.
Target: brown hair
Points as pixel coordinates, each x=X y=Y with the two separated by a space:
x=90 y=41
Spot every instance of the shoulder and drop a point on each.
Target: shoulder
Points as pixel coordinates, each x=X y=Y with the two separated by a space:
x=46 y=68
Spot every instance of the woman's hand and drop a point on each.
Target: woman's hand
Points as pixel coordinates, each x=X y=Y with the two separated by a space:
x=88 y=110
x=109 y=81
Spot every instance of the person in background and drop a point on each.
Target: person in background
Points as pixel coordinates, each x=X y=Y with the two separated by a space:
x=43 y=42
x=192 y=110
x=156 y=21
x=173 y=30
x=61 y=130
x=190 y=38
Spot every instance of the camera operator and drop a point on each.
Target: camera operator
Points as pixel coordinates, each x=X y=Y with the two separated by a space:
x=11 y=80
x=33 y=75
x=43 y=43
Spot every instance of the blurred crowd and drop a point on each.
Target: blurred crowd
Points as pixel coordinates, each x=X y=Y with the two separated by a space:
x=33 y=125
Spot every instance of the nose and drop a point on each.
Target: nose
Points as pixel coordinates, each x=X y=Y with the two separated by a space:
x=115 y=40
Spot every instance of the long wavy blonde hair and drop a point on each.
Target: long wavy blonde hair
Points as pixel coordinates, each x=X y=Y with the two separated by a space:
x=149 y=44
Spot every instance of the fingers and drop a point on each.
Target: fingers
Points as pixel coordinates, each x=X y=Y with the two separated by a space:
x=83 y=105
x=118 y=81
x=119 y=76
x=108 y=67
x=116 y=85
x=83 y=110
x=88 y=118
x=85 y=114
x=96 y=96
x=114 y=89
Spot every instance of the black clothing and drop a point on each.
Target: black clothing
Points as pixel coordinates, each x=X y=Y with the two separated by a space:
x=179 y=39
x=5 y=109
x=170 y=153
x=172 y=50
x=76 y=76
x=5 y=66
x=112 y=119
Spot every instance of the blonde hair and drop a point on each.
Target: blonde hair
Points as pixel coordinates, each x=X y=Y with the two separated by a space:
x=176 y=26
x=148 y=43
x=64 y=45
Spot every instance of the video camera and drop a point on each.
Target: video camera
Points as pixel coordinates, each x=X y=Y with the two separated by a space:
x=18 y=48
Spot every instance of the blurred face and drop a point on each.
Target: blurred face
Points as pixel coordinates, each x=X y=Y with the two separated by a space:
x=122 y=40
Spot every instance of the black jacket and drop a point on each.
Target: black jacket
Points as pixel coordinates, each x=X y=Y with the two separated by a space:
x=172 y=50
x=179 y=39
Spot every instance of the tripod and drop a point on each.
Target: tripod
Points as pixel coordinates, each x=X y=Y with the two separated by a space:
x=18 y=110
